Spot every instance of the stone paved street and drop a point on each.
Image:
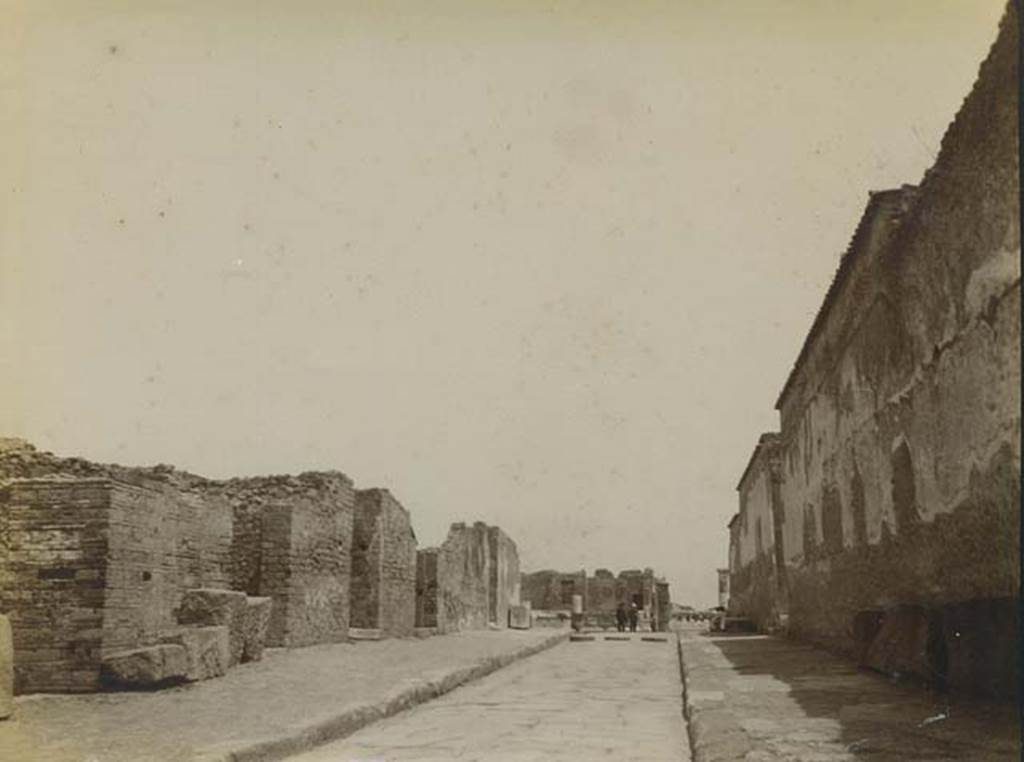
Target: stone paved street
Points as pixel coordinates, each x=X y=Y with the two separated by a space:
x=601 y=699
x=285 y=692
x=763 y=699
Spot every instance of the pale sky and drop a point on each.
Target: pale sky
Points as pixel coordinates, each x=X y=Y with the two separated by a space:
x=544 y=265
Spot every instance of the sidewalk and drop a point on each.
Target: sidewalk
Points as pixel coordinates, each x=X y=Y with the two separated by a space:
x=764 y=699
x=290 y=701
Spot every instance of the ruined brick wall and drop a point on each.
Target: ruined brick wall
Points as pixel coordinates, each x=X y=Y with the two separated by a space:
x=246 y=548
x=900 y=458
x=426 y=587
x=468 y=582
x=53 y=551
x=148 y=536
x=503 y=580
x=636 y=586
x=291 y=539
x=604 y=593
x=539 y=589
x=463 y=579
x=367 y=540
x=398 y=570
x=302 y=558
x=95 y=558
x=549 y=590
x=164 y=538
x=384 y=571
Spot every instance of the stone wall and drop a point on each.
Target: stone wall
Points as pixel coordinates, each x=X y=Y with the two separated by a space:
x=94 y=559
x=602 y=593
x=637 y=586
x=503 y=577
x=163 y=538
x=759 y=592
x=90 y=566
x=550 y=590
x=53 y=549
x=426 y=587
x=383 y=564
x=469 y=582
x=899 y=459
x=603 y=596
x=463 y=578
x=291 y=542
x=288 y=531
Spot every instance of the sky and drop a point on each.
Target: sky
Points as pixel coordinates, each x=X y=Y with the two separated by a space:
x=541 y=264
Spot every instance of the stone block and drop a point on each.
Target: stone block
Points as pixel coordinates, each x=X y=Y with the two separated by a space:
x=364 y=633
x=208 y=650
x=148 y=667
x=520 y=617
x=254 y=627
x=213 y=607
x=6 y=669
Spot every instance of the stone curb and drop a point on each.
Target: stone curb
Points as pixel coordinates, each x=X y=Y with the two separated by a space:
x=715 y=733
x=415 y=691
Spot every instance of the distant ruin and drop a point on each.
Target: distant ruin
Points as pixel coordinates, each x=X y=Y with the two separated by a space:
x=601 y=594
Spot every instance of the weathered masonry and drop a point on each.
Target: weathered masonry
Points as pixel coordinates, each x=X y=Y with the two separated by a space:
x=291 y=542
x=882 y=520
x=469 y=582
x=503 y=583
x=550 y=590
x=383 y=565
x=602 y=593
x=92 y=565
x=95 y=560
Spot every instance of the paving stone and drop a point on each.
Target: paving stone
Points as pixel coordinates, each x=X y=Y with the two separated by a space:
x=254 y=627
x=208 y=650
x=767 y=699
x=607 y=701
x=363 y=633
x=147 y=667
x=209 y=606
x=277 y=697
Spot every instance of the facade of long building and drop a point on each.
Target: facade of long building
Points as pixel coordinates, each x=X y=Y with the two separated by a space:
x=882 y=520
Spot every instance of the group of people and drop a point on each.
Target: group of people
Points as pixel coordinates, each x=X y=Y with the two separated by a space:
x=622 y=617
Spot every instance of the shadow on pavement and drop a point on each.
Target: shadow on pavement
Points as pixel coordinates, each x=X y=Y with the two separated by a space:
x=877 y=716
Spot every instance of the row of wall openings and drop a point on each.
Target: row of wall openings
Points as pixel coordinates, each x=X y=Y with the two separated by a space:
x=904 y=503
